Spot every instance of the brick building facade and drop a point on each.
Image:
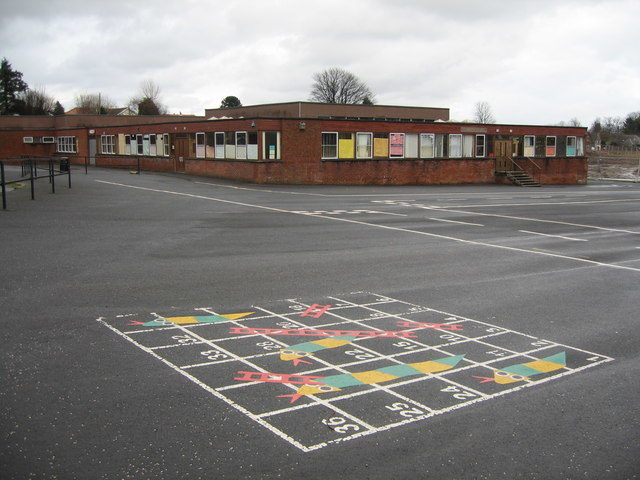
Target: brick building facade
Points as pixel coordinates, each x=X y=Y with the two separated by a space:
x=332 y=144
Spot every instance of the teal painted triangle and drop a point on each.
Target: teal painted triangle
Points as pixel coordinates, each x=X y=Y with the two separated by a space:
x=560 y=358
x=211 y=319
x=452 y=361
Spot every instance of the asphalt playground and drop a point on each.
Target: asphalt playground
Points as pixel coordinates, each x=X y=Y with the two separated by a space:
x=144 y=319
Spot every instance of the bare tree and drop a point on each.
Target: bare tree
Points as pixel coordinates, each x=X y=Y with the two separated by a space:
x=93 y=103
x=336 y=85
x=482 y=113
x=35 y=102
x=147 y=100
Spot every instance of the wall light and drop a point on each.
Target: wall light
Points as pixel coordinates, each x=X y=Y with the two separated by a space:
x=302 y=126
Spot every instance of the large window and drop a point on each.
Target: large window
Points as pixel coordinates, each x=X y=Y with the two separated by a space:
x=455 y=145
x=252 y=145
x=271 y=145
x=396 y=145
x=329 y=144
x=241 y=145
x=440 y=143
x=346 y=145
x=467 y=146
x=153 y=149
x=200 y=145
x=529 y=146
x=427 y=141
x=381 y=145
x=108 y=144
x=364 y=145
x=166 y=144
x=411 y=145
x=67 y=144
x=550 y=150
x=571 y=146
x=219 y=145
x=229 y=145
x=480 y=145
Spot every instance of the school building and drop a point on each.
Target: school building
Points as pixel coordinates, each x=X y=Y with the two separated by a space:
x=310 y=143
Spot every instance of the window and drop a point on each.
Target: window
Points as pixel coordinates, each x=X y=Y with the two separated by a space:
x=121 y=144
x=271 y=145
x=529 y=146
x=152 y=144
x=209 y=145
x=145 y=145
x=67 y=144
x=467 y=146
x=329 y=144
x=580 y=146
x=440 y=142
x=411 y=145
x=200 y=145
x=241 y=145
x=480 y=145
x=127 y=144
x=364 y=144
x=252 y=145
x=380 y=145
x=219 y=144
x=140 y=145
x=550 y=150
x=346 y=145
x=159 y=144
x=455 y=145
x=396 y=145
x=229 y=145
x=571 y=146
x=108 y=144
x=427 y=141
x=165 y=143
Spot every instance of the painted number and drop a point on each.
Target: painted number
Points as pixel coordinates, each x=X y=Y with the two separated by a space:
x=405 y=345
x=184 y=339
x=213 y=354
x=288 y=325
x=269 y=345
x=448 y=336
x=497 y=353
x=340 y=425
x=404 y=409
x=359 y=354
x=495 y=330
x=540 y=343
x=458 y=393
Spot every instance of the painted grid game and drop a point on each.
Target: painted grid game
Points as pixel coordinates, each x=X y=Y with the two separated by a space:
x=326 y=370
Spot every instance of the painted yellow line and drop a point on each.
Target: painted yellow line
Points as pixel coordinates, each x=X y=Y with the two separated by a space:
x=555 y=236
x=385 y=227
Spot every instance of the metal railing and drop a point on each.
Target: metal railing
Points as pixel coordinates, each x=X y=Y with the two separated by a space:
x=30 y=172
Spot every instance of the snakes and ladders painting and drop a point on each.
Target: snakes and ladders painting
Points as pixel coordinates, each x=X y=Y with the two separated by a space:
x=325 y=370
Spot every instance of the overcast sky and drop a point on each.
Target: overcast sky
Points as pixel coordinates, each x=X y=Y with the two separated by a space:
x=536 y=61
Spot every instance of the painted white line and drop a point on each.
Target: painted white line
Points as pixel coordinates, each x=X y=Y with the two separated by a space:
x=529 y=219
x=455 y=221
x=535 y=204
x=384 y=227
x=210 y=390
x=555 y=236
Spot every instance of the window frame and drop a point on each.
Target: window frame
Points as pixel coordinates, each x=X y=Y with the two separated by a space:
x=241 y=147
x=166 y=145
x=66 y=144
x=433 y=145
x=481 y=145
x=525 y=146
x=459 y=136
x=369 y=145
x=200 y=147
x=107 y=144
x=323 y=145
x=391 y=145
x=547 y=146
x=575 y=146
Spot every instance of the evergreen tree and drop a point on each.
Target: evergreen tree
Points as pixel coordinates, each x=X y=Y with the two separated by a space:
x=11 y=85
